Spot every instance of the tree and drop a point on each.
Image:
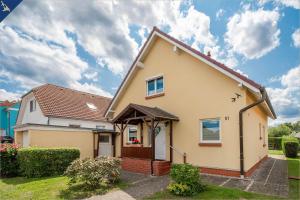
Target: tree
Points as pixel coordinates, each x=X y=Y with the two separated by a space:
x=279 y=130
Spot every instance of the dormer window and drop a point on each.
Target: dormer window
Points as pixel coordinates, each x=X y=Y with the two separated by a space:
x=32 y=105
x=155 y=86
x=91 y=106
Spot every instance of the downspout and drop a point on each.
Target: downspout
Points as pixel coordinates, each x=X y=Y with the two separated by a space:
x=262 y=99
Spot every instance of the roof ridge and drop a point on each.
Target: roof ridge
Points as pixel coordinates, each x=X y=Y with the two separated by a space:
x=62 y=87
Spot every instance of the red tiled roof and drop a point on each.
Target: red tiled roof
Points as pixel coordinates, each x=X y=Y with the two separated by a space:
x=56 y=101
x=7 y=103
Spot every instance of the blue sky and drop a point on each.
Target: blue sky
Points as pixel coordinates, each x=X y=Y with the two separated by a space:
x=90 y=47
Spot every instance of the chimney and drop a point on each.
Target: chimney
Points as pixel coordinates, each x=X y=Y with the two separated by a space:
x=208 y=54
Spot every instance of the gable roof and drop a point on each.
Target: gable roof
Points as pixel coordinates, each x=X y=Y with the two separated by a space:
x=56 y=101
x=250 y=84
x=152 y=112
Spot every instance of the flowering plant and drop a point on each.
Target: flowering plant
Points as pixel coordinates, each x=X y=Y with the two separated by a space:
x=9 y=148
x=8 y=160
x=135 y=141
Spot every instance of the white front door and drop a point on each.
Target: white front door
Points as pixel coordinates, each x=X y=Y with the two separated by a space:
x=160 y=142
x=105 y=145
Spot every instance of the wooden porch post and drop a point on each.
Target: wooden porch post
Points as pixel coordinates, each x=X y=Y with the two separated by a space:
x=94 y=146
x=98 y=141
x=171 y=141
x=121 y=135
x=142 y=136
x=152 y=144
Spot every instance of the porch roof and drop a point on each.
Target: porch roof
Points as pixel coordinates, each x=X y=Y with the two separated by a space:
x=134 y=113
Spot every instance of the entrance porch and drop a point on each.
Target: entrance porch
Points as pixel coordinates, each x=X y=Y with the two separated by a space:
x=146 y=139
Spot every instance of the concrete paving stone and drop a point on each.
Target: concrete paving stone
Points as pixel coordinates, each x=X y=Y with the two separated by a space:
x=279 y=173
x=215 y=180
x=269 y=189
x=238 y=183
x=262 y=172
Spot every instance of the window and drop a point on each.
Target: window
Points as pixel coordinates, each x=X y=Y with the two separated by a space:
x=155 y=86
x=104 y=138
x=260 y=131
x=32 y=105
x=264 y=134
x=132 y=134
x=91 y=106
x=210 y=131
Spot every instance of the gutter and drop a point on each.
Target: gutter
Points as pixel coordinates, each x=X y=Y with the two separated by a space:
x=261 y=100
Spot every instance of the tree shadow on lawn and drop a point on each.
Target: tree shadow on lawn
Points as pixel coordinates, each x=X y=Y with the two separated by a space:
x=22 y=180
x=80 y=190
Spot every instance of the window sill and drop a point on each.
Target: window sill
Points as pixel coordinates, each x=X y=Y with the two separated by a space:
x=155 y=95
x=210 y=144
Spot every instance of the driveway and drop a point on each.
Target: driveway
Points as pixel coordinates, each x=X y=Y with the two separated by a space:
x=270 y=178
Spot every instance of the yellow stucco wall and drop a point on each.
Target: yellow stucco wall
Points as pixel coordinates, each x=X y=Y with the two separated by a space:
x=82 y=140
x=193 y=91
x=255 y=136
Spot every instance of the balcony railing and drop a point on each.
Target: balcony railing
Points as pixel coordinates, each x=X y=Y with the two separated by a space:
x=137 y=152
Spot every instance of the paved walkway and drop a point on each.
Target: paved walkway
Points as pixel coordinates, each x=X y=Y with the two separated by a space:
x=270 y=178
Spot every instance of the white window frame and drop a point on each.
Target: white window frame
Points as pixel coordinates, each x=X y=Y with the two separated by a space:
x=129 y=127
x=33 y=105
x=155 y=89
x=201 y=131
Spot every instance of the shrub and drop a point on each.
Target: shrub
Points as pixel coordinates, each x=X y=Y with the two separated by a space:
x=288 y=139
x=39 y=162
x=99 y=172
x=8 y=162
x=186 y=180
x=275 y=143
x=291 y=149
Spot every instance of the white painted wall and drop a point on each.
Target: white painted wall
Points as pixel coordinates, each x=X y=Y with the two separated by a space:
x=35 y=117
x=82 y=123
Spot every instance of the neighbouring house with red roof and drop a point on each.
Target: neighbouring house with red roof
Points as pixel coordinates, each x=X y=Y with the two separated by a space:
x=177 y=105
x=54 y=116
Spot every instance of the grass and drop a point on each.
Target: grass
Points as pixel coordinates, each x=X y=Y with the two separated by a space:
x=45 y=188
x=276 y=152
x=214 y=192
x=294 y=166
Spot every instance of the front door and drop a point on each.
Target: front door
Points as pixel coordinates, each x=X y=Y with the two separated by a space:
x=105 y=145
x=160 y=142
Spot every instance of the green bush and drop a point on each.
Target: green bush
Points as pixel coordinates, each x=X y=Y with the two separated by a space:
x=8 y=162
x=185 y=180
x=275 y=143
x=287 y=139
x=291 y=149
x=99 y=172
x=39 y=162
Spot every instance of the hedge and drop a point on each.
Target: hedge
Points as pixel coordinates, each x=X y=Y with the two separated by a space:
x=39 y=162
x=8 y=160
x=275 y=143
x=289 y=146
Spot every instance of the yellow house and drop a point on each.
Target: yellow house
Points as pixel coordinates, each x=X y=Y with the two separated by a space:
x=178 y=105
x=54 y=116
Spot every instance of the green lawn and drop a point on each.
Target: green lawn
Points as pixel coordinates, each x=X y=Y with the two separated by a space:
x=276 y=152
x=45 y=188
x=214 y=192
x=294 y=166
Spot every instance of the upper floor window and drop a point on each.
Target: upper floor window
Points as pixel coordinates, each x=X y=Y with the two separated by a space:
x=155 y=86
x=32 y=105
x=210 y=131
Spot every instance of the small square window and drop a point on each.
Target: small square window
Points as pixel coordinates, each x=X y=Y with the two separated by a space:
x=210 y=131
x=104 y=138
x=155 y=86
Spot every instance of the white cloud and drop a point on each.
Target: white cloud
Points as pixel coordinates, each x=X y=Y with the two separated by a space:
x=286 y=100
x=92 y=76
x=296 y=38
x=288 y=3
x=220 y=13
x=253 y=33
x=10 y=96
